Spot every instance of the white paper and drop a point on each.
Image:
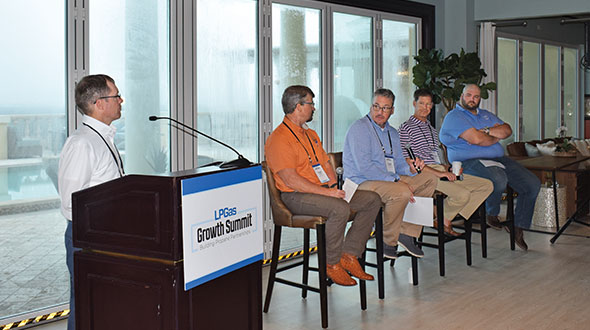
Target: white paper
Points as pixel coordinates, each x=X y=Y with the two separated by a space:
x=349 y=188
x=420 y=212
x=488 y=163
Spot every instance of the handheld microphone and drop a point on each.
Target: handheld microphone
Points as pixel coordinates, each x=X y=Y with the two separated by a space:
x=239 y=162
x=412 y=156
x=339 y=172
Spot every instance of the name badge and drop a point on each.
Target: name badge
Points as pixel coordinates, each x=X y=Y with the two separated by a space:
x=320 y=173
x=390 y=164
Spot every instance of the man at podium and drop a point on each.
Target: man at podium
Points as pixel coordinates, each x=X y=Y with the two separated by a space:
x=89 y=156
x=308 y=185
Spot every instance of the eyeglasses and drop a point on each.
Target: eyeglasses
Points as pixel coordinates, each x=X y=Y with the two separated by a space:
x=385 y=109
x=310 y=103
x=118 y=96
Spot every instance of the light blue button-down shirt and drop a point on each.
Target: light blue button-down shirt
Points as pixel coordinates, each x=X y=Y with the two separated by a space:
x=363 y=157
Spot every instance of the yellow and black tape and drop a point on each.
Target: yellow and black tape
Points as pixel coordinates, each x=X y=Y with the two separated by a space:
x=290 y=255
x=36 y=321
x=297 y=253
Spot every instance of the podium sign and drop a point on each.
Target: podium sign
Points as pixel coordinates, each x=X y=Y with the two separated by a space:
x=221 y=223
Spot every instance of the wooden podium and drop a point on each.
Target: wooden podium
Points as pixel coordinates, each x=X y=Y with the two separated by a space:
x=129 y=274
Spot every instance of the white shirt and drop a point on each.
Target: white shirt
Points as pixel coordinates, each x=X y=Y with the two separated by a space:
x=86 y=161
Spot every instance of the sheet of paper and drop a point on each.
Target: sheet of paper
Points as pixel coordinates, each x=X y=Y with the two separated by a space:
x=349 y=188
x=488 y=163
x=420 y=212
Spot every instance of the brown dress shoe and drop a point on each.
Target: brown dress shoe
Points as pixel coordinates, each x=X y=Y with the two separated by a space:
x=351 y=264
x=447 y=228
x=449 y=231
x=494 y=222
x=519 y=238
x=337 y=274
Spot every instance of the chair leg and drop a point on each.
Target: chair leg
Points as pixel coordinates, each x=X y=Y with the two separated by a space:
x=380 y=259
x=363 y=284
x=276 y=243
x=441 y=234
x=483 y=230
x=321 y=241
x=510 y=215
x=468 y=228
x=414 y=270
x=305 y=275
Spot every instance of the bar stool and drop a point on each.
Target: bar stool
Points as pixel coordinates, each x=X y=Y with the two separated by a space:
x=282 y=216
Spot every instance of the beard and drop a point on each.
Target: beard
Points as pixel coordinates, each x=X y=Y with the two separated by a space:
x=310 y=118
x=465 y=105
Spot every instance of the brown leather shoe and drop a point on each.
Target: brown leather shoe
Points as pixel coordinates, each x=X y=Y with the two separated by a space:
x=519 y=238
x=449 y=231
x=351 y=264
x=494 y=222
x=339 y=275
x=447 y=228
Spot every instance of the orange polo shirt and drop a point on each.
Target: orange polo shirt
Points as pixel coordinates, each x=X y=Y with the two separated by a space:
x=282 y=150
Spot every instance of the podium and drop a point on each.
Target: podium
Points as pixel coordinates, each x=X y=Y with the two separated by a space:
x=129 y=273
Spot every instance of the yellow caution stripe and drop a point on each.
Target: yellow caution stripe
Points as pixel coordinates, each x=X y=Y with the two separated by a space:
x=290 y=255
x=36 y=320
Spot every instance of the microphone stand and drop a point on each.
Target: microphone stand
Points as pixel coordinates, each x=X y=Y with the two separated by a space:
x=241 y=161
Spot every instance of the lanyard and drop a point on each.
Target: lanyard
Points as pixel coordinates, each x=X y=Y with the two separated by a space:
x=379 y=139
x=424 y=135
x=311 y=144
x=121 y=170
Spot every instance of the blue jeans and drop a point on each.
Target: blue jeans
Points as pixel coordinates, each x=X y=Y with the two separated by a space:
x=69 y=242
x=525 y=183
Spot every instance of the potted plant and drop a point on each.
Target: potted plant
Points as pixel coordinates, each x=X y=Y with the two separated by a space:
x=446 y=77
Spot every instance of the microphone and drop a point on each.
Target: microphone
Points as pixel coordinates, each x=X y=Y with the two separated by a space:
x=412 y=156
x=239 y=162
x=339 y=172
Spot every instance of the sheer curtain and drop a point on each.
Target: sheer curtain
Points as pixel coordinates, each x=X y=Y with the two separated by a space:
x=487 y=54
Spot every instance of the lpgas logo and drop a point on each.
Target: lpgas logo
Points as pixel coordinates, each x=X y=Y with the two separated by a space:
x=225 y=212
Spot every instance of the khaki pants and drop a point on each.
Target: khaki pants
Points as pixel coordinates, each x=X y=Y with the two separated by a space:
x=465 y=196
x=395 y=196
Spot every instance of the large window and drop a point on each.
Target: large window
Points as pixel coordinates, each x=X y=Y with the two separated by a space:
x=353 y=71
x=399 y=49
x=508 y=82
x=551 y=88
x=227 y=79
x=537 y=87
x=296 y=56
x=531 y=91
x=128 y=40
x=32 y=133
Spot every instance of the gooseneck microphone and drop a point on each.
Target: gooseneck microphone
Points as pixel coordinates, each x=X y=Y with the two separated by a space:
x=412 y=156
x=241 y=161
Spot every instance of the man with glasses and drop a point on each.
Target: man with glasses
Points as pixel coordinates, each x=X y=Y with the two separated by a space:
x=373 y=159
x=302 y=172
x=89 y=156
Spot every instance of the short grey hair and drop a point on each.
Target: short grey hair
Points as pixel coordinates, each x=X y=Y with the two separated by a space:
x=385 y=93
x=294 y=95
x=89 y=89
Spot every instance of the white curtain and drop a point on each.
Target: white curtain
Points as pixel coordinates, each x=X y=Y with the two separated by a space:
x=487 y=54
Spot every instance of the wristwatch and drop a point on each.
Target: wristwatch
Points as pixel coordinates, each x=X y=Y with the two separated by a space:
x=486 y=130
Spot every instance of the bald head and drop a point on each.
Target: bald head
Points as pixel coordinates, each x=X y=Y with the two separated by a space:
x=471 y=87
x=471 y=97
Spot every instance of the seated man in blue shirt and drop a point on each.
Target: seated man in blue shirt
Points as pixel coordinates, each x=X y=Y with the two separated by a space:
x=472 y=136
x=372 y=158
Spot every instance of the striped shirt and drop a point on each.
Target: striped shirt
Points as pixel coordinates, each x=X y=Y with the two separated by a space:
x=422 y=137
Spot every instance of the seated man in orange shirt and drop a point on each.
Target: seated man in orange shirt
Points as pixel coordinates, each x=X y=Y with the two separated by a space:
x=303 y=174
